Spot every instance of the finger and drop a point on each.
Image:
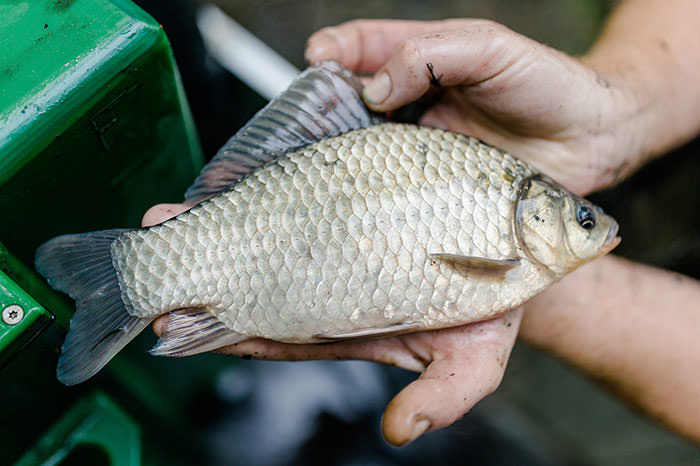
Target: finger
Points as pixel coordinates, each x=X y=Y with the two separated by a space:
x=435 y=119
x=449 y=114
x=470 y=56
x=386 y=351
x=365 y=45
x=454 y=383
x=160 y=324
x=162 y=212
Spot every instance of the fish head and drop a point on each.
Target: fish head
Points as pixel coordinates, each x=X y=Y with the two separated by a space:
x=558 y=229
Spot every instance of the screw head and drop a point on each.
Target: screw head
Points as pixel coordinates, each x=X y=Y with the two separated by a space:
x=13 y=314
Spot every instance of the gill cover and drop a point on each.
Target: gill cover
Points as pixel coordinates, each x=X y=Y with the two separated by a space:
x=537 y=220
x=552 y=230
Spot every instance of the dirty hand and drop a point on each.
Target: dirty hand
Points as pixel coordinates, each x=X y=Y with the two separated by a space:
x=501 y=87
x=507 y=90
x=459 y=366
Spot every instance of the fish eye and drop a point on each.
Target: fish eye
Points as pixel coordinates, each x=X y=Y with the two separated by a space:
x=585 y=217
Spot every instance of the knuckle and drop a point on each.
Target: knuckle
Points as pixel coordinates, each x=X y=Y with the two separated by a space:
x=493 y=30
x=490 y=26
x=409 y=51
x=353 y=23
x=493 y=384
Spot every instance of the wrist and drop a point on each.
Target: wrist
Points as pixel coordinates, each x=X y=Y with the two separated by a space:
x=631 y=327
x=625 y=135
x=562 y=314
x=651 y=75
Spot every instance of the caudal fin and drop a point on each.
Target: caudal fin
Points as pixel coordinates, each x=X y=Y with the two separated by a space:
x=81 y=266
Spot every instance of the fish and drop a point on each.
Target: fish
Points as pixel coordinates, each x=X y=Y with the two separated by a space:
x=320 y=221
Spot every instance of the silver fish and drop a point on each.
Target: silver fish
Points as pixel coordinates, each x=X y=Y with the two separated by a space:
x=319 y=221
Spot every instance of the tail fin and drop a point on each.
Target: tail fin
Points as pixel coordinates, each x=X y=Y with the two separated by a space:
x=81 y=266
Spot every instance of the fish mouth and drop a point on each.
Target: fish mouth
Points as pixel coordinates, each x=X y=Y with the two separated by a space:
x=612 y=240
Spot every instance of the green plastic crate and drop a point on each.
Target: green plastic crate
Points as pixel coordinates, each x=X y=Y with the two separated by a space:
x=94 y=432
x=94 y=129
x=94 y=126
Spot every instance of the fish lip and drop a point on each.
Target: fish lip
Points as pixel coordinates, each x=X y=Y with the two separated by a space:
x=612 y=240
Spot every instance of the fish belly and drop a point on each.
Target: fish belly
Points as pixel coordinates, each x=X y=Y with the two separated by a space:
x=337 y=236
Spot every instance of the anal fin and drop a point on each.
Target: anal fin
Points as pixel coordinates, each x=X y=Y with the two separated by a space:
x=470 y=266
x=193 y=331
x=369 y=332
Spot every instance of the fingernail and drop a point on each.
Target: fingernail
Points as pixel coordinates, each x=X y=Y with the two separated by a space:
x=378 y=89
x=419 y=428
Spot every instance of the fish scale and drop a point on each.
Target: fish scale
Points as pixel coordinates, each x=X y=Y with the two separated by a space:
x=337 y=235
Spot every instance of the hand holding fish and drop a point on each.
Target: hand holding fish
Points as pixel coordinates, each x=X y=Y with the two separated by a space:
x=459 y=366
x=320 y=221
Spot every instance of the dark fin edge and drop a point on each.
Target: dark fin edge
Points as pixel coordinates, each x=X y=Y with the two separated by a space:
x=81 y=266
x=193 y=331
x=323 y=101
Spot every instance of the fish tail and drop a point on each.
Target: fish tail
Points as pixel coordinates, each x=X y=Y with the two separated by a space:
x=81 y=265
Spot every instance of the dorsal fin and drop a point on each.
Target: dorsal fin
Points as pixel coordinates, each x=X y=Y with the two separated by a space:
x=322 y=102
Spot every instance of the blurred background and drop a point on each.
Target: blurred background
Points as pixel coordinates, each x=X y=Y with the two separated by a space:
x=211 y=409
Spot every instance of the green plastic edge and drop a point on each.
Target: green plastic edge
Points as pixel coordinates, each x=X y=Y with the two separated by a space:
x=26 y=282
x=36 y=317
x=95 y=420
x=33 y=285
x=138 y=380
x=59 y=110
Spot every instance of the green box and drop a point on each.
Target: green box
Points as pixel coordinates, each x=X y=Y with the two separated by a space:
x=95 y=432
x=94 y=129
x=23 y=318
x=94 y=126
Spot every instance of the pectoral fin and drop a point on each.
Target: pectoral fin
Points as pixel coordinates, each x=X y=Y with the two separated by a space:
x=470 y=266
x=369 y=332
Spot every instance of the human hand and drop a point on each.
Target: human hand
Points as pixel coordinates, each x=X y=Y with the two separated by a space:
x=495 y=102
x=503 y=88
x=506 y=90
x=459 y=366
